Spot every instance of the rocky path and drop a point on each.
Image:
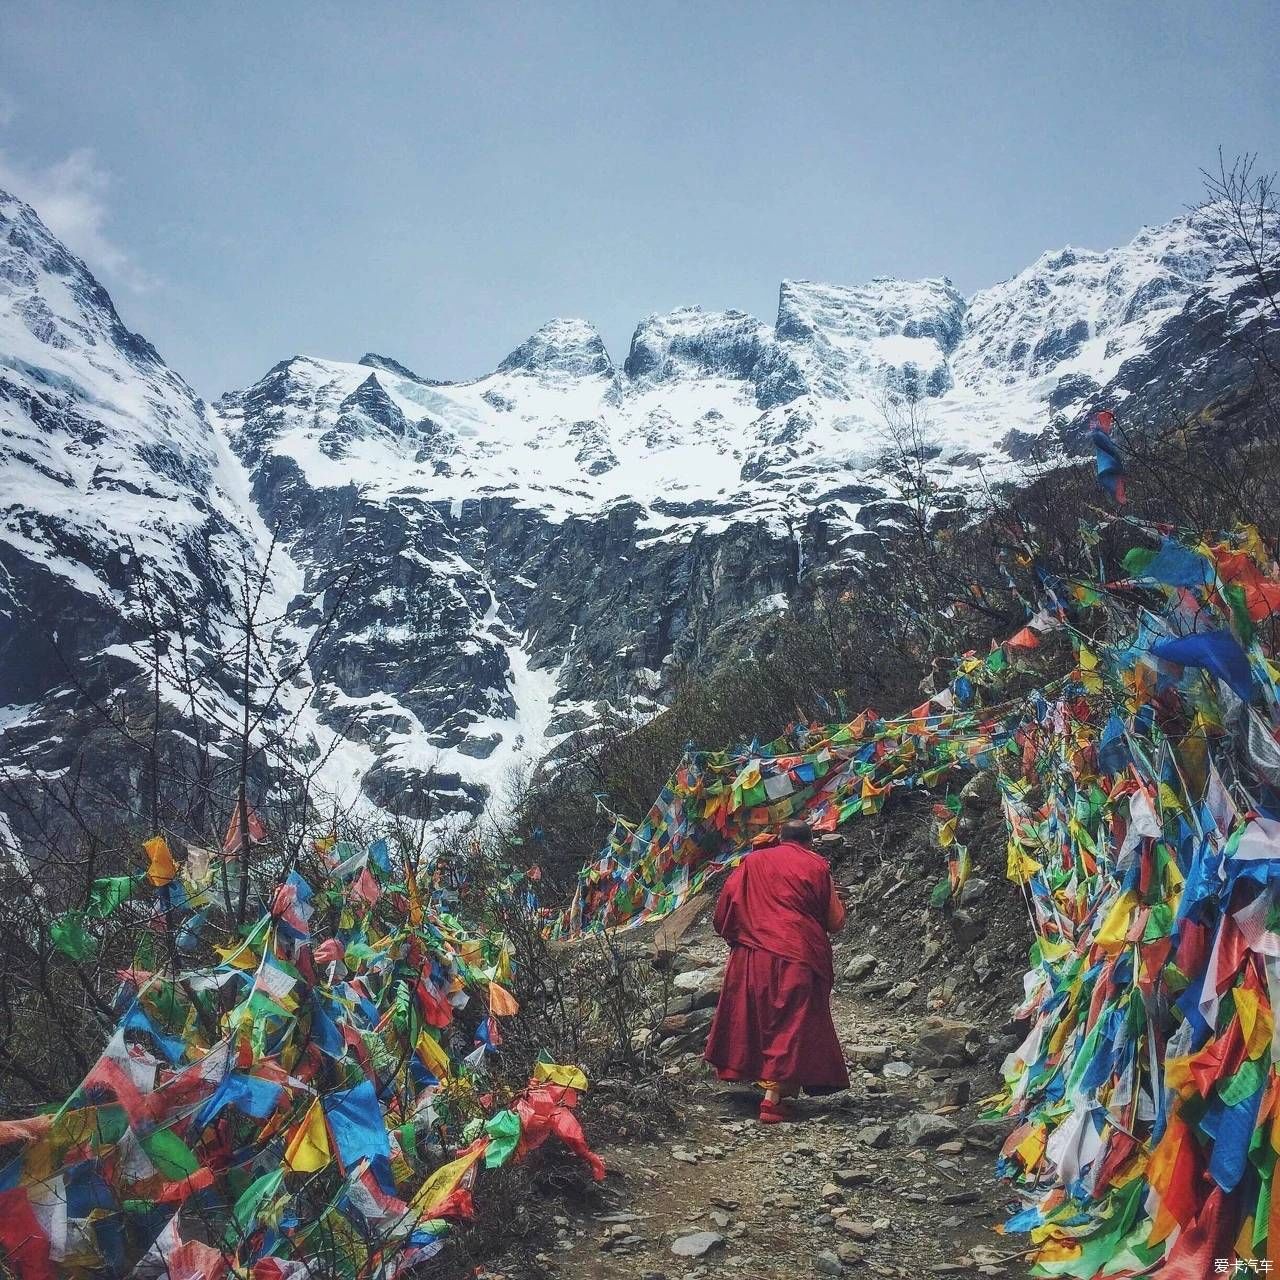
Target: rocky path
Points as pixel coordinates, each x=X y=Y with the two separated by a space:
x=893 y=1178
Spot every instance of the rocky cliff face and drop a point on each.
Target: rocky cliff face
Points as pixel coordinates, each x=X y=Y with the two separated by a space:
x=562 y=535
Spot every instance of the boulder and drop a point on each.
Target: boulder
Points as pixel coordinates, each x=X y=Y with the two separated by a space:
x=870 y=1057
x=980 y=792
x=946 y=1042
x=684 y=1024
x=694 y=980
x=924 y=1129
x=876 y=1135
x=697 y=989
x=967 y=926
x=858 y=1228
x=988 y=1133
x=697 y=1245
x=860 y=967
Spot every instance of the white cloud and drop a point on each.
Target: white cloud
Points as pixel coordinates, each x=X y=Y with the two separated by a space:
x=70 y=197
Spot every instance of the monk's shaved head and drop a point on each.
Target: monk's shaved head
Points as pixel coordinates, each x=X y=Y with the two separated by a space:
x=796 y=831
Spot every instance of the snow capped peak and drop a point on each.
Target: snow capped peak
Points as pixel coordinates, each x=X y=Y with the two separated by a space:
x=106 y=458
x=561 y=348
x=372 y=360
x=889 y=333
x=691 y=342
x=56 y=302
x=1076 y=311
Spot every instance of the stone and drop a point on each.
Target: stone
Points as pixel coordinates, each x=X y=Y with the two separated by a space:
x=849 y=1253
x=720 y=1218
x=696 y=989
x=924 y=1129
x=827 y=1263
x=903 y=991
x=860 y=967
x=876 y=1135
x=695 y=979
x=831 y=1194
x=973 y=889
x=858 y=1228
x=988 y=1134
x=951 y=1148
x=870 y=1057
x=852 y=1177
x=685 y=1157
x=980 y=792
x=684 y=1024
x=697 y=1245
x=946 y=1041
x=967 y=926
x=899 y=1070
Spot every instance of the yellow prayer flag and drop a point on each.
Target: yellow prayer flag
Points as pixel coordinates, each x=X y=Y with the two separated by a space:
x=1019 y=866
x=308 y=1148
x=554 y=1073
x=433 y=1056
x=1115 y=927
x=1030 y=1150
x=415 y=903
x=437 y=1188
x=1256 y=1021
x=161 y=868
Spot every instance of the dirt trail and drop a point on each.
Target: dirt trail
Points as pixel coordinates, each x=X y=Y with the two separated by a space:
x=840 y=1191
x=894 y=1177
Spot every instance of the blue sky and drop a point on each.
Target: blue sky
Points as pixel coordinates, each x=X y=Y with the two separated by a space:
x=435 y=180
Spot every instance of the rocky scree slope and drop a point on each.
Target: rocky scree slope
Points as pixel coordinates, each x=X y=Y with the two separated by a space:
x=559 y=536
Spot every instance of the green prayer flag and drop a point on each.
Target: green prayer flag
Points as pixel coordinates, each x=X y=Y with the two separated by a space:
x=503 y=1128
x=248 y=1208
x=170 y=1155
x=106 y=894
x=1136 y=559
x=68 y=935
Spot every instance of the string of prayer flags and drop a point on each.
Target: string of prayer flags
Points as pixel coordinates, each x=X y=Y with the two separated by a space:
x=1141 y=797
x=302 y=1094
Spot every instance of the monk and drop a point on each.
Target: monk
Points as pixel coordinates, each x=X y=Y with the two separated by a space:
x=773 y=1022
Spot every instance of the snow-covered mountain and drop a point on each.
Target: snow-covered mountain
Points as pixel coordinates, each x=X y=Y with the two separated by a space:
x=560 y=534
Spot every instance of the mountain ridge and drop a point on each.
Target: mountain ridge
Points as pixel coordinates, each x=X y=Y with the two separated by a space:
x=554 y=540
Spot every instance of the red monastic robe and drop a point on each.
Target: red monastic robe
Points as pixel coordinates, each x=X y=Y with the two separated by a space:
x=773 y=1021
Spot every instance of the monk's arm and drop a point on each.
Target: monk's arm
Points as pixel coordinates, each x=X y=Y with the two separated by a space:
x=835 y=912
